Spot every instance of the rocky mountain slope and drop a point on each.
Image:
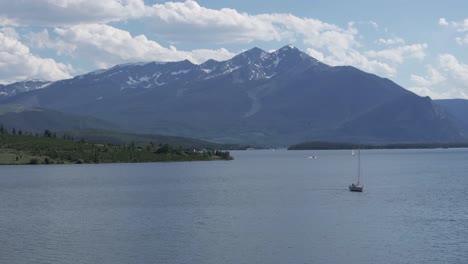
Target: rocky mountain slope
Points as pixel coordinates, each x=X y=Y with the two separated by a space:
x=276 y=98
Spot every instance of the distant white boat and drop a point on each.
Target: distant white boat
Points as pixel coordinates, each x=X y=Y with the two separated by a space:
x=312 y=157
x=358 y=187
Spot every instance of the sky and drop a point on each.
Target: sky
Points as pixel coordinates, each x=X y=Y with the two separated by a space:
x=420 y=45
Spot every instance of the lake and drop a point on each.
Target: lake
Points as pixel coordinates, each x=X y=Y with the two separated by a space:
x=263 y=207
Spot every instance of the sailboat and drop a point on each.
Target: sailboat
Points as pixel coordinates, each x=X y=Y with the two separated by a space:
x=357 y=187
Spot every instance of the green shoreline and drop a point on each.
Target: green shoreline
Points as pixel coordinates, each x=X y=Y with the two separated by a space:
x=23 y=149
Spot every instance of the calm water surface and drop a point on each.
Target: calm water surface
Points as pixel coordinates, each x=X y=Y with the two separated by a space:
x=263 y=207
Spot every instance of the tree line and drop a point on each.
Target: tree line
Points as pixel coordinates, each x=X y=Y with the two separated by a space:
x=322 y=145
x=48 y=148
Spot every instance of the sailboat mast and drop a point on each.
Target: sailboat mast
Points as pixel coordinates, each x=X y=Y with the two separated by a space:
x=359 y=167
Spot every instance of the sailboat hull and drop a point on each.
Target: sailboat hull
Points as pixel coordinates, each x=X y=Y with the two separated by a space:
x=356 y=188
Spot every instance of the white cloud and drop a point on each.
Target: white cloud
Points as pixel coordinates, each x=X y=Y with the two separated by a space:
x=391 y=41
x=462 y=40
x=42 y=40
x=426 y=91
x=106 y=46
x=81 y=32
x=433 y=77
x=10 y=32
x=461 y=27
x=190 y=21
x=443 y=21
x=400 y=53
x=332 y=44
x=357 y=59
x=316 y=54
x=17 y=63
x=374 y=24
x=449 y=79
x=382 y=62
x=67 y=12
x=450 y=65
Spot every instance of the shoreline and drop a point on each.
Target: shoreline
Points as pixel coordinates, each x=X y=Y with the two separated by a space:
x=351 y=146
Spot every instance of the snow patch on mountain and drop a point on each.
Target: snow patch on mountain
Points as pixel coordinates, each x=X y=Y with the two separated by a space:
x=180 y=72
x=252 y=65
x=158 y=74
x=13 y=89
x=131 y=81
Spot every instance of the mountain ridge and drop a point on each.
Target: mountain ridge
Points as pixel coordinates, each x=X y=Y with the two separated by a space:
x=276 y=98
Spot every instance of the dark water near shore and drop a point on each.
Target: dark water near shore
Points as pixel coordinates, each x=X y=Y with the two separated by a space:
x=263 y=207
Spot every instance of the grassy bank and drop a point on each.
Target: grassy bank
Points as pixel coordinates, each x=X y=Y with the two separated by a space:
x=48 y=149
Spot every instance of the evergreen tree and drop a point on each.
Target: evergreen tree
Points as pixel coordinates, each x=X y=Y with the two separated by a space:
x=47 y=133
x=3 y=130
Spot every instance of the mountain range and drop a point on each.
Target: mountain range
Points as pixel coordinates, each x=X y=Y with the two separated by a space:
x=21 y=87
x=257 y=97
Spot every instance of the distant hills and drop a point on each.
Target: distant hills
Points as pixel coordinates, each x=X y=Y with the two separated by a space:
x=35 y=119
x=278 y=98
x=458 y=108
x=322 y=145
x=21 y=87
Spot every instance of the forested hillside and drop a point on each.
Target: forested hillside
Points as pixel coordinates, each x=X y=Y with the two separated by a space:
x=19 y=147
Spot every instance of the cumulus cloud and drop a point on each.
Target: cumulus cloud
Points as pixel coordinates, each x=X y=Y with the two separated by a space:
x=332 y=44
x=433 y=77
x=42 y=40
x=461 y=27
x=316 y=54
x=67 y=12
x=79 y=29
x=388 y=60
x=374 y=24
x=17 y=63
x=398 y=54
x=443 y=21
x=390 y=41
x=357 y=59
x=462 y=40
x=188 y=21
x=383 y=62
x=10 y=32
x=106 y=46
x=450 y=65
x=449 y=79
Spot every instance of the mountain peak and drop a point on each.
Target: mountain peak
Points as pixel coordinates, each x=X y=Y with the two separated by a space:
x=279 y=98
x=247 y=57
x=289 y=47
x=290 y=56
x=254 y=51
x=252 y=54
x=209 y=63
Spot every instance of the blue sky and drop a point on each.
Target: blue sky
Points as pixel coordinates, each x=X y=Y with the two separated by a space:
x=418 y=44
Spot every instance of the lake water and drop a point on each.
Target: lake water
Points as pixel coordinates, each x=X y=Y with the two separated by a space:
x=263 y=207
